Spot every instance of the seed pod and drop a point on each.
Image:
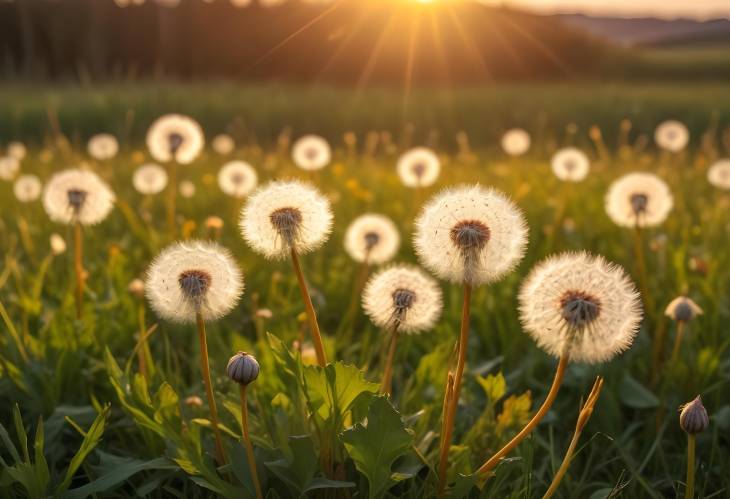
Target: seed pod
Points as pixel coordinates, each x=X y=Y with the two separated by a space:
x=243 y=368
x=693 y=417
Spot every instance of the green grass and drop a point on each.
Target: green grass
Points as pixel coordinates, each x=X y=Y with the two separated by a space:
x=632 y=444
x=259 y=112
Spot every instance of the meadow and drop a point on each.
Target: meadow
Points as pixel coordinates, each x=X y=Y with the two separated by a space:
x=80 y=420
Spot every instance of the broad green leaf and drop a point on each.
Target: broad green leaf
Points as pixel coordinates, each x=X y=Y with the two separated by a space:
x=43 y=476
x=115 y=471
x=89 y=443
x=325 y=483
x=635 y=395
x=375 y=447
x=494 y=386
x=334 y=389
x=298 y=470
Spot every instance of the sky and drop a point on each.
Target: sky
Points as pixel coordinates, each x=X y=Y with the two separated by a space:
x=701 y=9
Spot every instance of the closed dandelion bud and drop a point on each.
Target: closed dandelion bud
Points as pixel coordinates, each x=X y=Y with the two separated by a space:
x=693 y=417
x=243 y=368
x=214 y=223
x=136 y=287
x=194 y=401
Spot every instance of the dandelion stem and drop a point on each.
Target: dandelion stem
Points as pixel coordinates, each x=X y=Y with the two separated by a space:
x=678 y=340
x=690 y=488
x=171 y=199
x=583 y=417
x=557 y=381
x=143 y=349
x=311 y=314
x=450 y=407
x=79 y=269
x=247 y=440
x=205 y=371
x=385 y=386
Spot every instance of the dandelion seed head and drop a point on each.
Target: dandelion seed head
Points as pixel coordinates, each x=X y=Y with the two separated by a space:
x=672 y=136
x=58 y=245
x=174 y=137
x=149 y=179
x=191 y=277
x=9 y=167
x=719 y=174
x=639 y=199
x=582 y=305
x=103 y=146
x=570 y=164
x=516 y=142
x=282 y=214
x=187 y=189
x=311 y=152
x=17 y=150
x=237 y=179
x=372 y=237
x=75 y=195
x=402 y=296
x=27 y=188
x=682 y=309
x=419 y=167
x=470 y=234
x=223 y=144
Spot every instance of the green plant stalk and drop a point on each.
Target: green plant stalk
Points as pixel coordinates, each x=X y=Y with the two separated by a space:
x=450 y=406
x=311 y=314
x=544 y=408
x=247 y=441
x=585 y=414
x=385 y=386
x=171 y=199
x=690 y=489
x=79 y=269
x=678 y=340
x=205 y=371
x=13 y=333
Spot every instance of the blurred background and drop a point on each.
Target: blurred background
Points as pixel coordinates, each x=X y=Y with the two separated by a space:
x=425 y=61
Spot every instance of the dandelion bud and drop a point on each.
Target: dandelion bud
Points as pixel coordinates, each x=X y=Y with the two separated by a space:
x=58 y=245
x=243 y=368
x=682 y=309
x=214 y=223
x=136 y=287
x=693 y=417
x=264 y=313
x=194 y=401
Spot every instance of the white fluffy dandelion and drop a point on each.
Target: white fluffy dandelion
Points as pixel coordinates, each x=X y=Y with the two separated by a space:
x=149 y=179
x=419 y=167
x=285 y=214
x=719 y=174
x=639 y=199
x=580 y=306
x=76 y=195
x=174 y=137
x=372 y=238
x=516 y=142
x=671 y=135
x=402 y=296
x=193 y=277
x=223 y=144
x=187 y=189
x=27 y=188
x=470 y=234
x=237 y=179
x=103 y=146
x=311 y=152
x=9 y=167
x=17 y=150
x=570 y=164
